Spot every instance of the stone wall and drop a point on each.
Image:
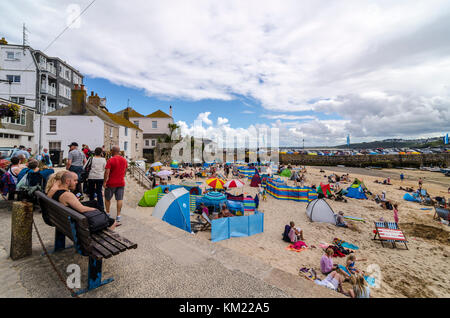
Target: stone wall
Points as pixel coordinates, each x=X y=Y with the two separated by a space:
x=385 y=161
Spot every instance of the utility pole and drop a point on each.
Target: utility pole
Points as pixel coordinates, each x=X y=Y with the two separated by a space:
x=24 y=38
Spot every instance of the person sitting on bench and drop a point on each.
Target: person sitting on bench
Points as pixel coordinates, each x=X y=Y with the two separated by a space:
x=64 y=196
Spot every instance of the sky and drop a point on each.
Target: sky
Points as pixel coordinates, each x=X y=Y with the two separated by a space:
x=314 y=70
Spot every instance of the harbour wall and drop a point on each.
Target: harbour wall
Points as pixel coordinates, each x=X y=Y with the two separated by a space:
x=384 y=161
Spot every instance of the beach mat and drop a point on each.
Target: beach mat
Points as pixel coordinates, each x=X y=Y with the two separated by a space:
x=426 y=209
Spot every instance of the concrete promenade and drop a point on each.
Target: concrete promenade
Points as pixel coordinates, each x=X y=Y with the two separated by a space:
x=167 y=263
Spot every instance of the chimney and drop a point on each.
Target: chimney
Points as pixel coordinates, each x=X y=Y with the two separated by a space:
x=126 y=114
x=78 y=100
x=171 y=111
x=94 y=100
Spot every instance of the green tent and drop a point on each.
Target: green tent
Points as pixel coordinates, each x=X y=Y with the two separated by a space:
x=358 y=183
x=150 y=197
x=286 y=173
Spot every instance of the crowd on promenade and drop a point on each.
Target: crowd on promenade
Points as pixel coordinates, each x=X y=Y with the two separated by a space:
x=80 y=186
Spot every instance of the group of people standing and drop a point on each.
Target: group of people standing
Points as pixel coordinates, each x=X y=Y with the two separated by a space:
x=97 y=173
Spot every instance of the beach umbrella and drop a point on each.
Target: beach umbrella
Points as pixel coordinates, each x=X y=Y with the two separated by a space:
x=156 y=164
x=164 y=173
x=215 y=183
x=235 y=183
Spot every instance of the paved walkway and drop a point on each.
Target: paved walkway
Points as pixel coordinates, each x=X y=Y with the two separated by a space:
x=167 y=263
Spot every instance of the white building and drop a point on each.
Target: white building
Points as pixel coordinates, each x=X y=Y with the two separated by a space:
x=89 y=122
x=155 y=126
x=35 y=80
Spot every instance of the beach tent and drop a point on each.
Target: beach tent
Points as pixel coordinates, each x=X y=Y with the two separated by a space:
x=318 y=210
x=256 y=181
x=324 y=189
x=150 y=197
x=286 y=173
x=411 y=198
x=356 y=192
x=173 y=208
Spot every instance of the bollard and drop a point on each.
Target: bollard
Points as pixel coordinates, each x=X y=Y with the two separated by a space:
x=21 y=229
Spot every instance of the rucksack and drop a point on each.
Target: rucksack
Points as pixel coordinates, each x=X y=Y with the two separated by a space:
x=287 y=229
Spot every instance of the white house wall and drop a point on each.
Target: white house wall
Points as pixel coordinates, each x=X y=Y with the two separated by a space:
x=123 y=139
x=22 y=65
x=81 y=129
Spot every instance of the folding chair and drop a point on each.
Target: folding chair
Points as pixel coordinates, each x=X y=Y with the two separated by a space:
x=389 y=232
x=203 y=225
x=441 y=213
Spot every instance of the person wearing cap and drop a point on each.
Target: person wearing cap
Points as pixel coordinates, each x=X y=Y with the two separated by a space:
x=75 y=162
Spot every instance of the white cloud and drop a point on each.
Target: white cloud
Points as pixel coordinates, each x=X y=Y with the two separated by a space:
x=204 y=118
x=221 y=121
x=288 y=117
x=383 y=67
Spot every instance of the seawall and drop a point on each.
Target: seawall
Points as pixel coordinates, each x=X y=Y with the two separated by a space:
x=384 y=161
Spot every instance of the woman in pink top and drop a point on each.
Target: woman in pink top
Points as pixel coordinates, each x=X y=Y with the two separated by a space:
x=326 y=262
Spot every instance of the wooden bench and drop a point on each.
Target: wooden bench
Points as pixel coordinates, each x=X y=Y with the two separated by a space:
x=74 y=225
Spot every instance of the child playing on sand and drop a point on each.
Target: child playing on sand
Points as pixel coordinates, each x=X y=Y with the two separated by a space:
x=264 y=194
x=351 y=259
x=396 y=213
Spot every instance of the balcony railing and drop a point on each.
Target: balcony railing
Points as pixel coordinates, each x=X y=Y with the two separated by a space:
x=48 y=89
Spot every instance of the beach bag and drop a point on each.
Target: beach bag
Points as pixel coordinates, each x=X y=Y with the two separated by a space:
x=97 y=220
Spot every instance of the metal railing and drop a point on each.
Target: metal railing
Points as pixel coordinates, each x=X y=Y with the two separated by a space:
x=140 y=176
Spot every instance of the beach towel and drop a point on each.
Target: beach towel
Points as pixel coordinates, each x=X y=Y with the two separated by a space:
x=297 y=246
x=426 y=208
x=354 y=218
x=348 y=245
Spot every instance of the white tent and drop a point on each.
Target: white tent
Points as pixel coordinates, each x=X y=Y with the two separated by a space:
x=318 y=210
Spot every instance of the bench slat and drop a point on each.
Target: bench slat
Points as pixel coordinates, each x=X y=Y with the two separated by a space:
x=112 y=241
x=105 y=244
x=103 y=251
x=120 y=239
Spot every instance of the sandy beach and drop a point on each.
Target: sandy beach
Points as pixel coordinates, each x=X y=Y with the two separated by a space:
x=421 y=271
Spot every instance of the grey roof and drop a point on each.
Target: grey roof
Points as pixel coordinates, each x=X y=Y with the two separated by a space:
x=90 y=111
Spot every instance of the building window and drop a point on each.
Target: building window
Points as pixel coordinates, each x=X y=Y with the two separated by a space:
x=137 y=147
x=153 y=142
x=13 y=78
x=147 y=142
x=10 y=55
x=29 y=138
x=154 y=124
x=137 y=134
x=110 y=132
x=17 y=121
x=18 y=100
x=126 y=131
x=136 y=122
x=53 y=125
x=54 y=145
x=125 y=145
